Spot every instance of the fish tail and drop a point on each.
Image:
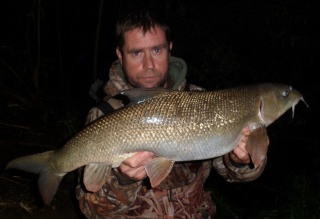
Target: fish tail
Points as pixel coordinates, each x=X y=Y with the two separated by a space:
x=48 y=181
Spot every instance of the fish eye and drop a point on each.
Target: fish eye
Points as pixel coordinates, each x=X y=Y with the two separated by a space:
x=286 y=92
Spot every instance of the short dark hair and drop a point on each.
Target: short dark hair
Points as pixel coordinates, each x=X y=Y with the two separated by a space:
x=144 y=19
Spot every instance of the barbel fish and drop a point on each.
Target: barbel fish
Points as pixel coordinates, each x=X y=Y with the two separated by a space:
x=175 y=125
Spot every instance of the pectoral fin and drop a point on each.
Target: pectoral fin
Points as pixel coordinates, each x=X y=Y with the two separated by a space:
x=257 y=145
x=158 y=169
x=95 y=175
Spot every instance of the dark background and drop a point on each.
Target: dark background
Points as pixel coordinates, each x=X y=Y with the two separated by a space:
x=52 y=51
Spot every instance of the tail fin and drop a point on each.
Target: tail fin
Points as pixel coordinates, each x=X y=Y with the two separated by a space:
x=48 y=181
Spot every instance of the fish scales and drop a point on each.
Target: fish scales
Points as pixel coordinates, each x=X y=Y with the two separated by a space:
x=175 y=119
x=175 y=125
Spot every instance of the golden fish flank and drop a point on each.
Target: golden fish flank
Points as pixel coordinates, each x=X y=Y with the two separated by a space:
x=175 y=125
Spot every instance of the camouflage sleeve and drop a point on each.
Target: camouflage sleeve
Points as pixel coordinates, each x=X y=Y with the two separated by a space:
x=95 y=112
x=111 y=201
x=236 y=172
x=116 y=195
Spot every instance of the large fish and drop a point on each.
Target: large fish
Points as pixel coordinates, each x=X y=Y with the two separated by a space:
x=174 y=125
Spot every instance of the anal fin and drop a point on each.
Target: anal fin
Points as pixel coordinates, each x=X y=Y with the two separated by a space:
x=158 y=169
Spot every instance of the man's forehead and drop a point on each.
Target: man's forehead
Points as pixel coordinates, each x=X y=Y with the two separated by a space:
x=136 y=39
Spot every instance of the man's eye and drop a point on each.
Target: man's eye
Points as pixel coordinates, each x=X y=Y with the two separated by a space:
x=157 y=50
x=135 y=53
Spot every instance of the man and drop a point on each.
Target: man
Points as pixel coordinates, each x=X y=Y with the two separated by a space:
x=144 y=61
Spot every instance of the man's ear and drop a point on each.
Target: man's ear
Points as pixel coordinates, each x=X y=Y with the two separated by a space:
x=170 y=47
x=119 y=54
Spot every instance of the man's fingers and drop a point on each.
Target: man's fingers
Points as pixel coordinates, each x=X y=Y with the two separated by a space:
x=134 y=167
x=240 y=155
x=245 y=131
x=139 y=159
x=133 y=173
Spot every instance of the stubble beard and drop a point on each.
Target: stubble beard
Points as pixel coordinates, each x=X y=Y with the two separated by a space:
x=138 y=84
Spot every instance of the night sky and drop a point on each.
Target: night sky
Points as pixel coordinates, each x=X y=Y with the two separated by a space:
x=52 y=51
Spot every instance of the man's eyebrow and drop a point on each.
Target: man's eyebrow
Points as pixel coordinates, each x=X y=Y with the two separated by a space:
x=134 y=50
x=162 y=45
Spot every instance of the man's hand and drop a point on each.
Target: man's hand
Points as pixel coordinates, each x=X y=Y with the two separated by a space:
x=134 y=167
x=239 y=154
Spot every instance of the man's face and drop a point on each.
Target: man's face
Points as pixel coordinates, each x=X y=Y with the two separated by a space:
x=145 y=58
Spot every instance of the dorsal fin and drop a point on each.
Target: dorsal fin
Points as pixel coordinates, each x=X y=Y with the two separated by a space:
x=140 y=95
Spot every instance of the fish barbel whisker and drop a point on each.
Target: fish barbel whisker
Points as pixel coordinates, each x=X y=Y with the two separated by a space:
x=296 y=102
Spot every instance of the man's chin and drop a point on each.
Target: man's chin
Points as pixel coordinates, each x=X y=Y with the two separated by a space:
x=151 y=84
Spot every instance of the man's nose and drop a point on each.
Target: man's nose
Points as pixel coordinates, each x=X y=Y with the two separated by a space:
x=148 y=61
